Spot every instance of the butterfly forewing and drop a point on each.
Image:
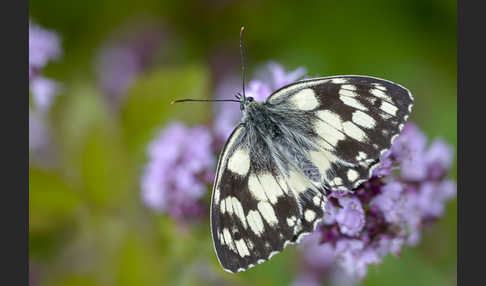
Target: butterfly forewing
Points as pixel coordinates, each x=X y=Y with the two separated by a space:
x=354 y=120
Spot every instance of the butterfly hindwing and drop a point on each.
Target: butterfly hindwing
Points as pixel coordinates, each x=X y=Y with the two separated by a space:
x=258 y=208
x=353 y=119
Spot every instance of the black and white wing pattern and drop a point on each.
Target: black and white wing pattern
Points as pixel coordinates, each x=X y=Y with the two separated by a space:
x=256 y=208
x=308 y=137
x=354 y=119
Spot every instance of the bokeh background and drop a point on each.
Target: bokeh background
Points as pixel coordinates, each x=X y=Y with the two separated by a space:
x=88 y=224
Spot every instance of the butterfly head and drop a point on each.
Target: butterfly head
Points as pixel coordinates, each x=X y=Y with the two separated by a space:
x=246 y=102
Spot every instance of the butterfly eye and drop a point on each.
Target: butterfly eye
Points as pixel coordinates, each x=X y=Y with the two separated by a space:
x=250 y=99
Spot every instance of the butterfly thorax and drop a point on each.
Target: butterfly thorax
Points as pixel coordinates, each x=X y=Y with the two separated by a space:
x=258 y=116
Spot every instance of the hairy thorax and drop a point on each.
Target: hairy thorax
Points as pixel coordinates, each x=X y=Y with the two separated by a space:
x=288 y=148
x=259 y=117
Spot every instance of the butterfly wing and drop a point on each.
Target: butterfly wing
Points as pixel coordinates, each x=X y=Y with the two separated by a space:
x=353 y=120
x=258 y=207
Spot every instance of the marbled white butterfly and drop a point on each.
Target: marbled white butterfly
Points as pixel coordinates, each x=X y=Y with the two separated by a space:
x=307 y=138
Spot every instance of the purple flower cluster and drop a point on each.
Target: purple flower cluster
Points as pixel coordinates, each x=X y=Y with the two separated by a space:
x=179 y=171
x=407 y=192
x=124 y=57
x=44 y=46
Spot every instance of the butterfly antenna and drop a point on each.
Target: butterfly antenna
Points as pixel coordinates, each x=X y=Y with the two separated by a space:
x=242 y=54
x=202 y=100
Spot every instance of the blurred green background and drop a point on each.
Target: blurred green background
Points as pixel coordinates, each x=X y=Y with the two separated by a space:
x=88 y=225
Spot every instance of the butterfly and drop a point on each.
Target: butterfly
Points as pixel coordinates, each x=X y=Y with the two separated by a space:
x=308 y=138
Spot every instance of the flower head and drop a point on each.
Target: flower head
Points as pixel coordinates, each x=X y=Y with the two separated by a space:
x=44 y=45
x=350 y=218
x=179 y=171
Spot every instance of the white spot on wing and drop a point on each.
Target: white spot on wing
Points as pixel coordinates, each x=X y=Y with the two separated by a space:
x=220 y=237
x=242 y=249
x=346 y=92
x=354 y=131
x=352 y=175
x=353 y=103
x=328 y=133
x=309 y=215
x=330 y=118
x=380 y=94
x=363 y=119
x=361 y=155
x=228 y=239
x=222 y=206
x=322 y=160
x=255 y=221
x=238 y=209
x=349 y=87
x=239 y=162
x=338 y=80
x=283 y=185
x=305 y=99
x=388 y=108
x=217 y=193
x=271 y=187
x=291 y=221
x=266 y=209
x=298 y=183
x=256 y=188
x=379 y=86
x=229 y=205
x=337 y=181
